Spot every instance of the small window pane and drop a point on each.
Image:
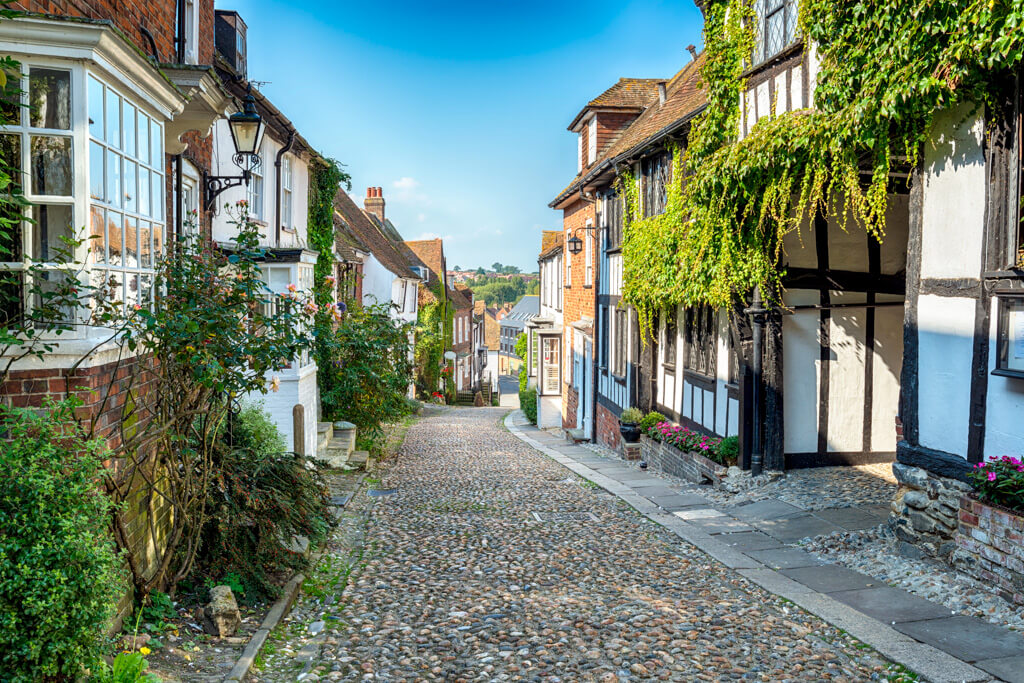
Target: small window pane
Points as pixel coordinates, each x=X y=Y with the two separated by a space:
x=10 y=153
x=131 y=187
x=45 y=309
x=143 y=135
x=97 y=236
x=113 y=119
x=51 y=165
x=131 y=243
x=145 y=250
x=144 y=192
x=129 y=129
x=157 y=144
x=113 y=178
x=158 y=196
x=132 y=297
x=49 y=96
x=96 y=180
x=95 y=94
x=51 y=228
x=10 y=101
x=158 y=242
x=115 y=239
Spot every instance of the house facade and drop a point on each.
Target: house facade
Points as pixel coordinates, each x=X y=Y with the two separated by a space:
x=544 y=333
x=511 y=326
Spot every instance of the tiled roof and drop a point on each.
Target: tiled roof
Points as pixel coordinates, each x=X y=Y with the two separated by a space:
x=370 y=234
x=459 y=298
x=527 y=309
x=550 y=238
x=684 y=99
x=431 y=254
x=629 y=94
x=555 y=247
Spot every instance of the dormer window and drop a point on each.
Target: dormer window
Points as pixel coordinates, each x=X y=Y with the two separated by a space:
x=776 y=27
x=592 y=141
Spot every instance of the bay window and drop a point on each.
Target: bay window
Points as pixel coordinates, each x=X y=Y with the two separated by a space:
x=84 y=154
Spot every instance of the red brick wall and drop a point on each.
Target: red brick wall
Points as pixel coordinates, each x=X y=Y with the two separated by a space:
x=607 y=428
x=578 y=300
x=159 y=17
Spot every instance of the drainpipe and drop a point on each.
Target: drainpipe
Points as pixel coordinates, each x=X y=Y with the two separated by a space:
x=178 y=204
x=593 y=360
x=757 y=314
x=277 y=183
x=180 y=41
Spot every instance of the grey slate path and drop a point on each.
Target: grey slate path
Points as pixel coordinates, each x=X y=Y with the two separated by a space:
x=968 y=639
x=891 y=605
x=939 y=645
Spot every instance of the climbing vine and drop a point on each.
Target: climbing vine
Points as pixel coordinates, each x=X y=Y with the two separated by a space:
x=886 y=69
x=326 y=177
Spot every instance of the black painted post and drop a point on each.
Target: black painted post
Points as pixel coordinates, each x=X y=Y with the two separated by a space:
x=757 y=316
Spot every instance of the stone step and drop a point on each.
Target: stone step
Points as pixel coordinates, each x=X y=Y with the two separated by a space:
x=358 y=458
x=324 y=432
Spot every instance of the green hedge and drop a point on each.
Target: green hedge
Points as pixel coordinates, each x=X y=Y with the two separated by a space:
x=528 y=402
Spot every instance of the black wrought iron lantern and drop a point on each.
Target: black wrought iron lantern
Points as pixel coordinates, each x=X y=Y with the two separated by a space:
x=575 y=245
x=247 y=127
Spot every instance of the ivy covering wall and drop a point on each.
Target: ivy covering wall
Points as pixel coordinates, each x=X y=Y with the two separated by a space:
x=886 y=69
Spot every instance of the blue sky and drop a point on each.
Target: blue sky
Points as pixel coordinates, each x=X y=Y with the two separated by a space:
x=458 y=110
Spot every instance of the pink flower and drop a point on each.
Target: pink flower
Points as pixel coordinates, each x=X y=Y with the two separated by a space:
x=291 y=287
x=991 y=476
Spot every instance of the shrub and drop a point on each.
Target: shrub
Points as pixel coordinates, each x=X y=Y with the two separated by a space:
x=729 y=449
x=364 y=370
x=685 y=439
x=528 y=402
x=1000 y=481
x=128 y=667
x=631 y=416
x=651 y=419
x=265 y=497
x=60 y=575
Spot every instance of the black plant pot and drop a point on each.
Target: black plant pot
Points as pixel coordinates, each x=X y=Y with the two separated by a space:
x=630 y=431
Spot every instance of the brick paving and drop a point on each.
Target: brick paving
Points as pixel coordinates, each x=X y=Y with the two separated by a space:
x=490 y=561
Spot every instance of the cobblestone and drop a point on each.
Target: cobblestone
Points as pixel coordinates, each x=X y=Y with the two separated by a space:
x=459 y=581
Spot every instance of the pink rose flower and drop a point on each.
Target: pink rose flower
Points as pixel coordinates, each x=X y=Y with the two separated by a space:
x=991 y=476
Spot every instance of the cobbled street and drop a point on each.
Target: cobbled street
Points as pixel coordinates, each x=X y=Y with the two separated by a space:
x=460 y=581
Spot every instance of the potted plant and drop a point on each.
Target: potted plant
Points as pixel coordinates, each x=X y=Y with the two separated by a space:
x=629 y=424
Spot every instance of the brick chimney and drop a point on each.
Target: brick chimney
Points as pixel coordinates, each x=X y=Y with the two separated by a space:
x=374 y=202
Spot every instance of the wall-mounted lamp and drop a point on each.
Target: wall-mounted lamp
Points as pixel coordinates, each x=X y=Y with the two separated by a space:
x=247 y=128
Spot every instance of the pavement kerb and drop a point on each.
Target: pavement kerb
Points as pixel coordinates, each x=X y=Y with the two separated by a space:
x=928 y=662
x=278 y=612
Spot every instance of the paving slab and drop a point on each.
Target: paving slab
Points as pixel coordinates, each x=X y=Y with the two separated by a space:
x=784 y=558
x=699 y=513
x=830 y=578
x=1010 y=669
x=764 y=510
x=721 y=525
x=655 y=490
x=966 y=638
x=891 y=605
x=749 y=540
x=794 y=528
x=677 y=500
x=639 y=482
x=851 y=519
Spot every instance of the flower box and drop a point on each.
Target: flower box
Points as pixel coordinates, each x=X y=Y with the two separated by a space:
x=688 y=465
x=990 y=546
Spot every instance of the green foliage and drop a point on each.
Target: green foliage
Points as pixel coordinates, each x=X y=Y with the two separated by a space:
x=729 y=449
x=631 y=416
x=264 y=498
x=364 y=370
x=60 y=576
x=433 y=336
x=528 y=402
x=128 y=667
x=497 y=291
x=159 y=608
x=326 y=177
x=651 y=419
x=520 y=346
x=887 y=68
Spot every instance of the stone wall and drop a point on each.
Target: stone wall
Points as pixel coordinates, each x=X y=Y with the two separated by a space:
x=990 y=547
x=925 y=512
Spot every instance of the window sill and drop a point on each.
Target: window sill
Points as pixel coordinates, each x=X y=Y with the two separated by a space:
x=1012 y=374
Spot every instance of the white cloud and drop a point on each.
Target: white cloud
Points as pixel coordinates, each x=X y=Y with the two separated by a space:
x=434 y=236
x=406 y=183
x=421 y=217
x=407 y=191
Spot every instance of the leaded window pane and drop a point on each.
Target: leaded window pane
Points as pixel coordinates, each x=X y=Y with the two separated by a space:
x=51 y=229
x=51 y=165
x=49 y=96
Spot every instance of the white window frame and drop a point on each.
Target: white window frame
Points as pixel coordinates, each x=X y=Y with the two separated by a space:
x=579 y=152
x=254 y=191
x=191 y=31
x=588 y=255
x=568 y=260
x=592 y=140
x=287 y=223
